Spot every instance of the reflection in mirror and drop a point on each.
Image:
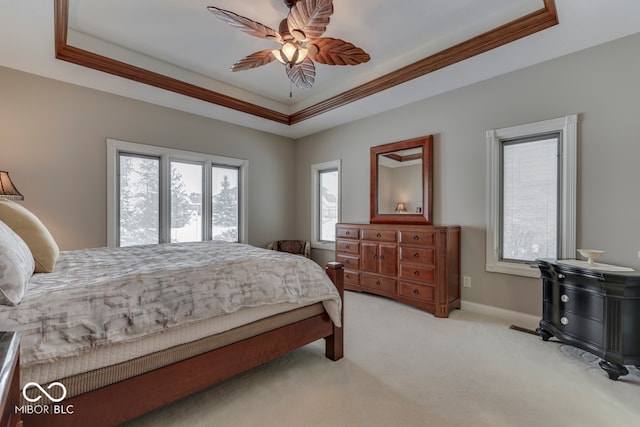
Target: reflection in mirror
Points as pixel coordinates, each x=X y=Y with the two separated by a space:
x=400 y=182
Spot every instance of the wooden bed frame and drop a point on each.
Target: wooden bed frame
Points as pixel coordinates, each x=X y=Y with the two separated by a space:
x=122 y=401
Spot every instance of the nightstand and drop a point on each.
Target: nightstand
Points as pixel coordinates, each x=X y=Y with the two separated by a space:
x=9 y=379
x=593 y=309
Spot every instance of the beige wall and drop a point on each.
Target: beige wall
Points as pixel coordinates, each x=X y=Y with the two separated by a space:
x=601 y=84
x=53 y=143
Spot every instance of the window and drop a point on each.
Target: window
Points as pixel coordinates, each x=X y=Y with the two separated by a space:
x=531 y=194
x=186 y=201
x=139 y=199
x=158 y=195
x=325 y=203
x=225 y=207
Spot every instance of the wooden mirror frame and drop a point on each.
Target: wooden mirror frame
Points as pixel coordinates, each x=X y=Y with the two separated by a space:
x=426 y=217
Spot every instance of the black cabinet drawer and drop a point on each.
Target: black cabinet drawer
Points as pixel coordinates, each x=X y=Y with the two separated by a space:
x=581 y=328
x=591 y=281
x=588 y=304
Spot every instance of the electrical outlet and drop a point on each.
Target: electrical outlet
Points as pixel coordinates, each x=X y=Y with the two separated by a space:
x=466 y=281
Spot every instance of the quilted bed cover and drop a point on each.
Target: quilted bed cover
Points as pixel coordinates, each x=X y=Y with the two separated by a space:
x=97 y=297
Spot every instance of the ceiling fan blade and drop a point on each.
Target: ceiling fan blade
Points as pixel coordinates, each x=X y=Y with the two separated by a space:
x=308 y=19
x=303 y=75
x=254 y=60
x=246 y=25
x=338 y=52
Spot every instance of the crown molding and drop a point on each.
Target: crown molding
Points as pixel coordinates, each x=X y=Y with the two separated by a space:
x=499 y=36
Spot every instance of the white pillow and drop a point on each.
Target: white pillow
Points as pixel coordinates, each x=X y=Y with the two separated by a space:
x=16 y=266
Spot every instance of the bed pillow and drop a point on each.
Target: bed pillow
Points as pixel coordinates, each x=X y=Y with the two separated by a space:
x=16 y=266
x=39 y=240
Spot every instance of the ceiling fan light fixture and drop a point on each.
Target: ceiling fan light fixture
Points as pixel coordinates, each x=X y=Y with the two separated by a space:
x=278 y=55
x=302 y=54
x=290 y=53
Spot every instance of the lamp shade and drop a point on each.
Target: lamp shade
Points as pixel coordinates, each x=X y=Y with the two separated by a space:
x=7 y=189
x=400 y=207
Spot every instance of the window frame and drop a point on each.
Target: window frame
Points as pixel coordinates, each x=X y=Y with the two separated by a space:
x=167 y=155
x=567 y=129
x=316 y=170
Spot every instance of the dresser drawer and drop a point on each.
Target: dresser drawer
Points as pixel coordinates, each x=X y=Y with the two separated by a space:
x=420 y=292
x=413 y=272
x=379 y=235
x=579 y=327
x=352 y=277
x=347 y=246
x=422 y=238
x=574 y=300
x=417 y=255
x=382 y=284
x=349 y=261
x=343 y=232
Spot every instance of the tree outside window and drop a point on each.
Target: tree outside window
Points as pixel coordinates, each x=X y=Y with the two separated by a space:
x=224 y=207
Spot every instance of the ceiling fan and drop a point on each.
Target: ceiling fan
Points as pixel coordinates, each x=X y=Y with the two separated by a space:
x=299 y=35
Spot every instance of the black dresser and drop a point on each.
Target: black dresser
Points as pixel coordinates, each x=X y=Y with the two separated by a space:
x=595 y=310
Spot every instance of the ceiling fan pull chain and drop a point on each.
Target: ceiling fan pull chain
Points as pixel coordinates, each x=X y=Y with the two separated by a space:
x=290 y=89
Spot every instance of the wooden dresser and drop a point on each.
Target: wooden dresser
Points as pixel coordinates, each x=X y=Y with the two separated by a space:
x=415 y=264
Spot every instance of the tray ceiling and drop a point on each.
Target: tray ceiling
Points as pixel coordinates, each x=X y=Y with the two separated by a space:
x=181 y=47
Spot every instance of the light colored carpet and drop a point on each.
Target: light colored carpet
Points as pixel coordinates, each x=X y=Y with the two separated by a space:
x=404 y=367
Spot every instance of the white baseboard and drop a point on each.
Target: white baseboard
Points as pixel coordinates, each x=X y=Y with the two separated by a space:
x=520 y=319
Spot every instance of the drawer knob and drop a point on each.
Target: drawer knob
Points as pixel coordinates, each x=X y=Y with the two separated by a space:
x=561 y=276
x=416 y=273
x=564 y=320
x=416 y=292
x=348 y=233
x=416 y=255
x=378 y=235
x=347 y=262
x=416 y=237
x=378 y=282
x=348 y=276
x=564 y=298
x=348 y=247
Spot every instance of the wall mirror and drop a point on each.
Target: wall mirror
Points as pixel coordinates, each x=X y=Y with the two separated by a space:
x=402 y=182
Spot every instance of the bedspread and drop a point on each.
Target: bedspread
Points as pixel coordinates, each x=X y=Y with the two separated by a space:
x=95 y=297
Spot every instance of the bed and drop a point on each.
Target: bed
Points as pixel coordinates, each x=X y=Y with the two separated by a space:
x=127 y=330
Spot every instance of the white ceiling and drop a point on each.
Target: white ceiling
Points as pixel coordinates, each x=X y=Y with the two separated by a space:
x=183 y=40
x=184 y=33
